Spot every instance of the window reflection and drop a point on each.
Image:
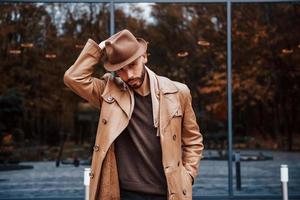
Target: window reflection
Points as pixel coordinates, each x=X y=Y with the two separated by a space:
x=40 y=119
x=266 y=90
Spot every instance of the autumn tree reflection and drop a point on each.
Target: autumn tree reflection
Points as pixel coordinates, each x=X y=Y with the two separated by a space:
x=187 y=42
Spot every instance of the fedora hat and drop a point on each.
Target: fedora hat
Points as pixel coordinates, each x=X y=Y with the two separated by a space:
x=121 y=49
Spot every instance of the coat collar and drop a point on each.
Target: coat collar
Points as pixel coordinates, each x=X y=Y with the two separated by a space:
x=165 y=85
x=164 y=104
x=116 y=90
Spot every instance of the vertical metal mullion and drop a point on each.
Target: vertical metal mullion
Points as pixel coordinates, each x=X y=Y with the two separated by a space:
x=229 y=99
x=112 y=17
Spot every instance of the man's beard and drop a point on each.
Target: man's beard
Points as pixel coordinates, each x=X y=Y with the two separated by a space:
x=137 y=82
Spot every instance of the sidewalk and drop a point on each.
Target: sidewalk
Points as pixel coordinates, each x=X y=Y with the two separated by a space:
x=258 y=178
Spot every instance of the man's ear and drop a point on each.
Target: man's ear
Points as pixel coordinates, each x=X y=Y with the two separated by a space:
x=145 y=58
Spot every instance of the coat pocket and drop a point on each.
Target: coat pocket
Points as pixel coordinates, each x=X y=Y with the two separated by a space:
x=187 y=188
x=179 y=184
x=174 y=185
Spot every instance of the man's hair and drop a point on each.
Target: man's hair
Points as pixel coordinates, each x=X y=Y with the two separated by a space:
x=104 y=56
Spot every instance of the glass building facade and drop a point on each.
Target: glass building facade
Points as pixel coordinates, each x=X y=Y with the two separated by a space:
x=240 y=59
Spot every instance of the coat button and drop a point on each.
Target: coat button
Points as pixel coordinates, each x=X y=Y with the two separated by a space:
x=91 y=175
x=96 y=148
x=184 y=191
x=104 y=121
x=172 y=197
x=174 y=137
x=110 y=99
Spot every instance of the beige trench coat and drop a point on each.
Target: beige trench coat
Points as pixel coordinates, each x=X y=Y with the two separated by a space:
x=180 y=137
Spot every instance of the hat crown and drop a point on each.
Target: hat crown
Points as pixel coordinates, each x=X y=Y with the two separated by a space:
x=121 y=49
x=121 y=46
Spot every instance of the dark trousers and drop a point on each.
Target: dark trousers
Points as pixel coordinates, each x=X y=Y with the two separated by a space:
x=129 y=195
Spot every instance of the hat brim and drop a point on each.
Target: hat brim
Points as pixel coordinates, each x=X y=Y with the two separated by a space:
x=142 y=49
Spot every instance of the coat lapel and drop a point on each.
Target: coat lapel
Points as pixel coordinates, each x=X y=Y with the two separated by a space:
x=164 y=100
x=113 y=92
x=169 y=103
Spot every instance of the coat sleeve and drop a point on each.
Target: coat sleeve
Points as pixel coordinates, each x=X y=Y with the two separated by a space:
x=192 y=139
x=79 y=76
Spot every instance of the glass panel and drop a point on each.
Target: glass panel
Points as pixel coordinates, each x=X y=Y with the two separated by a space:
x=187 y=43
x=266 y=74
x=42 y=121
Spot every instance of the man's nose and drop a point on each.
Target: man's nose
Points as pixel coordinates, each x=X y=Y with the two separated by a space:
x=129 y=74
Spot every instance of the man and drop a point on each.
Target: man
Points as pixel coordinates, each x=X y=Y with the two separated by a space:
x=148 y=144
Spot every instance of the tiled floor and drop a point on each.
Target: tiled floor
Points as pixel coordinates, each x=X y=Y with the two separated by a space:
x=258 y=178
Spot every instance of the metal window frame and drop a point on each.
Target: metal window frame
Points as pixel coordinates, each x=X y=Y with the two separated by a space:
x=229 y=73
x=148 y=1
